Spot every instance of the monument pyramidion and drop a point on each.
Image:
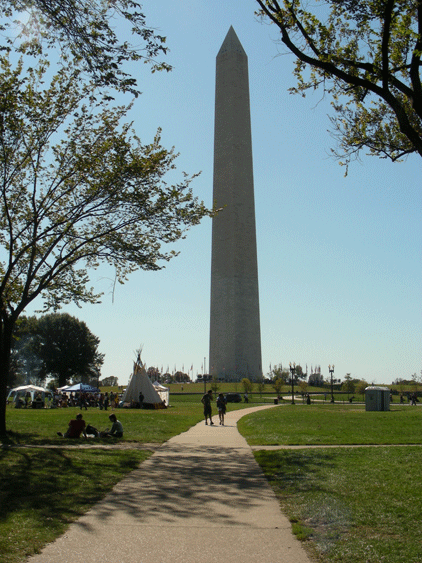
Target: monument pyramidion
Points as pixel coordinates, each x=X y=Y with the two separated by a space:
x=235 y=335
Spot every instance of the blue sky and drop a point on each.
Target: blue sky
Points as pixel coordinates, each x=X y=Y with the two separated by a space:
x=339 y=258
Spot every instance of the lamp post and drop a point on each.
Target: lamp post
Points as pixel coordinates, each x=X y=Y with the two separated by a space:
x=331 y=370
x=292 y=373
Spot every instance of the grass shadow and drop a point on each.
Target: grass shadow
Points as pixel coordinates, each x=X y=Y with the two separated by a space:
x=56 y=485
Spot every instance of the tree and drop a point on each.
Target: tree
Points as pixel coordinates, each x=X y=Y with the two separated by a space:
x=77 y=188
x=367 y=55
x=361 y=386
x=215 y=384
x=303 y=386
x=167 y=377
x=316 y=380
x=247 y=385
x=25 y=364
x=279 y=373
x=154 y=374
x=111 y=381
x=260 y=385
x=349 y=384
x=87 y=30
x=68 y=349
x=58 y=346
x=278 y=384
x=299 y=373
x=181 y=377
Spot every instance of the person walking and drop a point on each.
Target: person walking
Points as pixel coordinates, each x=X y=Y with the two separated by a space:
x=221 y=406
x=206 y=401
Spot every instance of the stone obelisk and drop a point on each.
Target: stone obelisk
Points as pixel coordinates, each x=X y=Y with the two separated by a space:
x=235 y=334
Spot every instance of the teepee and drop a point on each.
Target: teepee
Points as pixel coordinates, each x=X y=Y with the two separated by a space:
x=140 y=382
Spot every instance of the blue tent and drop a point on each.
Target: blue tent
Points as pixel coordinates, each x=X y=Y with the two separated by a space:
x=82 y=387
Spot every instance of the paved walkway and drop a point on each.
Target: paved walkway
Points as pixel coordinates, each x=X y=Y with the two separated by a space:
x=201 y=498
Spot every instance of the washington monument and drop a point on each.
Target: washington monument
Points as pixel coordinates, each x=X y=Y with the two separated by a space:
x=235 y=336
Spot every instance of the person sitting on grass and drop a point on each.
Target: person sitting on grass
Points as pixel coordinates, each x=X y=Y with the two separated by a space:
x=76 y=428
x=116 y=429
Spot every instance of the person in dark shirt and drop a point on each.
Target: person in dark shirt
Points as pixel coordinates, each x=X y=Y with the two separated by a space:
x=76 y=428
x=221 y=406
x=206 y=401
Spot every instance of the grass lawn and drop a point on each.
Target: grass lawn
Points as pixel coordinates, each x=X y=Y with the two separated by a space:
x=352 y=504
x=40 y=427
x=347 y=504
x=333 y=424
x=33 y=426
x=43 y=490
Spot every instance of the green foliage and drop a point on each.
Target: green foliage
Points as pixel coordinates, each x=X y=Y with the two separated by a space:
x=25 y=365
x=280 y=378
x=95 y=195
x=361 y=386
x=303 y=386
x=349 y=385
x=278 y=384
x=87 y=31
x=247 y=385
x=78 y=188
x=367 y=56
x=299 y=373
x=260 y=385
x=67 y=348
x=215 y=386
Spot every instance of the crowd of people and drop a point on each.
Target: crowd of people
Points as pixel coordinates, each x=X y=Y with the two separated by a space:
x=103 y=401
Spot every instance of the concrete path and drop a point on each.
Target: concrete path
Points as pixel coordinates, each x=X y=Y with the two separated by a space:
x=201 y=498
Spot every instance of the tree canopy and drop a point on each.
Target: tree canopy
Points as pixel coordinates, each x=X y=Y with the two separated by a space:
x=93 y=32
x=367 y=55
x=78 y=188
x=57 y=345
x=68 y=349
x=25 y=364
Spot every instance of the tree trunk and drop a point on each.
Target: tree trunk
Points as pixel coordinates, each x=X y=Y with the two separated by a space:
x=6 y=330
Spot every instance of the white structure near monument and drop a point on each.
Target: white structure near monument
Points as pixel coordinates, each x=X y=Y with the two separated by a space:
x=235 y=334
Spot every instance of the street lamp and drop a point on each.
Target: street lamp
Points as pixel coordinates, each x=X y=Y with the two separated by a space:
x=331 y=370
x=292 y=373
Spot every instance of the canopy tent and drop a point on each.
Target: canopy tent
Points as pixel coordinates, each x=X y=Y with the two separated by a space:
x=33 y=390
x=140 y=382
x=81 y=387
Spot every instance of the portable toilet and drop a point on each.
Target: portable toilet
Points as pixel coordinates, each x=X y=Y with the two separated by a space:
x=377 y=398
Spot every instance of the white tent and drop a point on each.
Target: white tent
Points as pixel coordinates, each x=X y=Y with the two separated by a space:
x=164 y=392
x=140 y=382
x=31 y=389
